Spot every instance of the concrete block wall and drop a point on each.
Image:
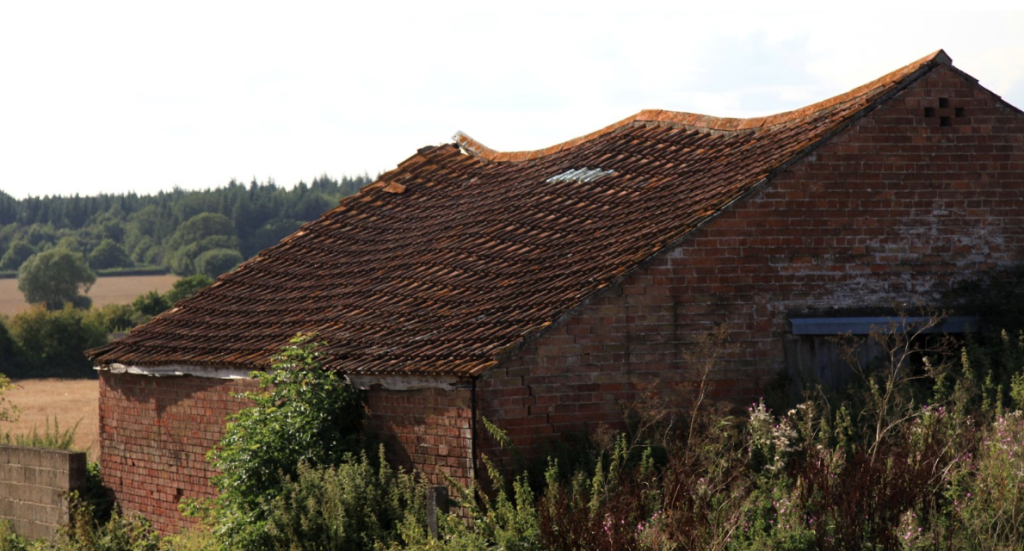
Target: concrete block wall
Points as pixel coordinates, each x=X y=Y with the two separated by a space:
x=926 y=190
x=34 y=486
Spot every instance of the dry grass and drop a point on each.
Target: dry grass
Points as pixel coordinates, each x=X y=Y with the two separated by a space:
x=107 y=290
x=67 y=400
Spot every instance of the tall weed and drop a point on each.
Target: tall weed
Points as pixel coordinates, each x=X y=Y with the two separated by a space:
x=51 y=438
x=990 y=504
x=352 y=505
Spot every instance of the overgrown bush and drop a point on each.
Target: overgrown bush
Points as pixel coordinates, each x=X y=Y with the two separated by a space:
x=302 y=414
x=352 y=505
x=85 y=533
x=9 y=541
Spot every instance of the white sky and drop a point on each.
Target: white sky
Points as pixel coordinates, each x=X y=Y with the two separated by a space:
x=144 y=96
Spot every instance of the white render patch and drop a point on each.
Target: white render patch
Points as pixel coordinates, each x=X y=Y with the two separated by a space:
x=583 y=175
x=176 y=371
x=402 y=382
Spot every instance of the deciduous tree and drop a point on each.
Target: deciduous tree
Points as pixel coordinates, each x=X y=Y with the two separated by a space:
x=56 y=277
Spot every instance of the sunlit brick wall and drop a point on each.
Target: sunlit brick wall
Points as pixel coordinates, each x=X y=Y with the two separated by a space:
x=154 y=435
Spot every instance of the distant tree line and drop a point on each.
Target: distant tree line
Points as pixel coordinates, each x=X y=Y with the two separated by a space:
x=186 y=232
x=48 y=340
x=57 y=245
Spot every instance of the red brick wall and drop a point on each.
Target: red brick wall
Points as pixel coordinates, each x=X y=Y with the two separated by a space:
x=893 y=209
x=154 y=435
x=428 y=429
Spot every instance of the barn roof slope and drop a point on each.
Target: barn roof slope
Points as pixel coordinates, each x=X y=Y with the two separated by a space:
x=451 y=261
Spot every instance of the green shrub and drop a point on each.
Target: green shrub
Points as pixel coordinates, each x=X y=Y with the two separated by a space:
x=85 y=533
x=52 y=343
x=303 y=413
x=9 y=541
x=353 y=505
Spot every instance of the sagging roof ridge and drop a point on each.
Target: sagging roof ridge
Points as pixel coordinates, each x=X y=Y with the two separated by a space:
x=699 y=122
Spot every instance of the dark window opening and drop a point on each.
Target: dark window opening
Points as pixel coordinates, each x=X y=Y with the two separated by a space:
x=959 y=111
x=929 y=111
x=943 y=103
x=945 y=121
x=819 y=350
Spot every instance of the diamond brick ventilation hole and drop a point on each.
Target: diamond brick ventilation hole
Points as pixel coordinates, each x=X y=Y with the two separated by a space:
x=944 y=113
x=583 y=175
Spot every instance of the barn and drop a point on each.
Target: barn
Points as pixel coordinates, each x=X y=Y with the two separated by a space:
x=544 y=290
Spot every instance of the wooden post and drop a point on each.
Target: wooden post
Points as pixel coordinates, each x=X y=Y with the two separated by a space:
x=437 y=505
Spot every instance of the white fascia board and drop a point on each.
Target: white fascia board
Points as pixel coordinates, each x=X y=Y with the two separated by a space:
x=175 y=370
x=364 y=382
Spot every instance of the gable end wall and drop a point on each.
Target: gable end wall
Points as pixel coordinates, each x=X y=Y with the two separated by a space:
x=893 y=209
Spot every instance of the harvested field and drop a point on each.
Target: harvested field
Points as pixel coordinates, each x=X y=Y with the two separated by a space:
x=106 y=290
x=67 y=400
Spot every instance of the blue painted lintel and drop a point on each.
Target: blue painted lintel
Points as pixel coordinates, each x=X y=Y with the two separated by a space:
x=864 y=325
